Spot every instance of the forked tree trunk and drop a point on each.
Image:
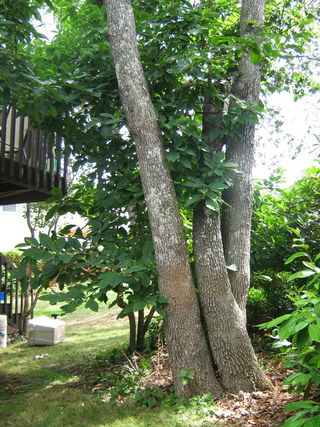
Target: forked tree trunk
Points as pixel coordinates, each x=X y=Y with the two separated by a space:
x=185 y=337
x=223 y=303
x=237 y=217
x=230 y=345
x=229 y=341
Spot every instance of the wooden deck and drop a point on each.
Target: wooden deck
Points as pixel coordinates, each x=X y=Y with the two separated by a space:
x=32 y=162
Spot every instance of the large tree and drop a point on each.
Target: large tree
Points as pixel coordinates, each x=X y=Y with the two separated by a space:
x=202 y=63
x=221 y=337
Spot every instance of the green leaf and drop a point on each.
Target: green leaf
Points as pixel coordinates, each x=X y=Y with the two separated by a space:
x=50 y=271
x=212 y=205
x=51 y=212
x=296 y=421
x=311 y=265
x=92 y=304
x=64 y=257
x=297 y=378
x=161 y=311
x=46 y=241
x=106 y=131
x=193 y=200
x=34 y=253
x=255 y=57
x=49 y=3
x=195 y=183
x=280 y=344
x=300 y=325
x=214 y=133
x=139 y=305
x=126 y=311
x=232 y=267
x=182 y=373
x=109 y=278
x=186 y=162
x=296 y=255
x=305 y=404
x=287 y=328
x=301 y=275
x=218 y=184
x=314 y=332
x=74 y=243
x=172 y=156
x=31 y=241
x=60 y=243
x=69 y=308
x=75 y=292
x=274 y=322
x=266 y=278
x=57 y=193
x=135 y=268
x=219 y=157
x=52 y=298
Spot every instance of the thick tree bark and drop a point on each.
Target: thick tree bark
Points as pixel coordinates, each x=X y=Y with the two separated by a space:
x=185 y=337
x=229 y=341
x=237 y=217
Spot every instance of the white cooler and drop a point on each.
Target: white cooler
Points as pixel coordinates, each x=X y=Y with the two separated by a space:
x=43 y=330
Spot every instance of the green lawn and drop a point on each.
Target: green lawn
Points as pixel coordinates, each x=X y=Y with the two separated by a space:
x=46 y=392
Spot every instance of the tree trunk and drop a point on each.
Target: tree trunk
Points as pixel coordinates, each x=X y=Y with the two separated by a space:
x=29 y=220
x=140 y=332
x=229 y=341
x=237 y=217
x=132 y=334
x=185 y=337
x=222 y=302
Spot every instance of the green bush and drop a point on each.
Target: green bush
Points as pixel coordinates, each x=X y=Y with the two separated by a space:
x=298 y=337
x=279 y=215
x=269 y=295
x=14 y=255
x=155 y=333
x=150 y=396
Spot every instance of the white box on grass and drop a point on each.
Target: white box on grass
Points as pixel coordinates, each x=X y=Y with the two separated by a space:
x=45 y=331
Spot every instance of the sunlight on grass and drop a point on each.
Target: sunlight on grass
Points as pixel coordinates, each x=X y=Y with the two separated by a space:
x=49 y=392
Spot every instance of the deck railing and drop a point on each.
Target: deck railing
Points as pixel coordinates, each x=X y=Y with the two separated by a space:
x=29 y=156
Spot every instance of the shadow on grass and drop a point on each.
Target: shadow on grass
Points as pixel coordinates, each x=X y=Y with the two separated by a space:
x=55 y=391
x=60 y=405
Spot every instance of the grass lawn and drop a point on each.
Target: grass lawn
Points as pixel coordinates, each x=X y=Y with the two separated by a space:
x=46 y=392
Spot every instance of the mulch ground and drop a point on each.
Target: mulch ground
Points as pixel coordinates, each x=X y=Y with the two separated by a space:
x=260 y=408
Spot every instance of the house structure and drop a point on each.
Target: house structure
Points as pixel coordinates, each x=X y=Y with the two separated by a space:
x=32 y=163
x=13 y=226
